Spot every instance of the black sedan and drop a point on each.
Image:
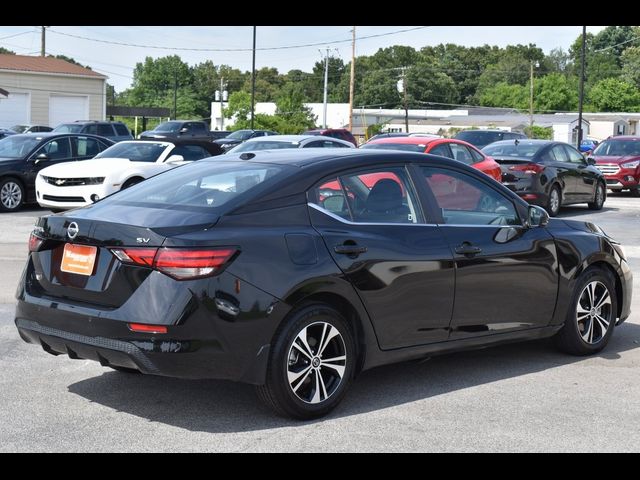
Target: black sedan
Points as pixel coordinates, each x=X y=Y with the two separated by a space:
x=549 y=174
x=23 y=156
x=239 y=136
x=296 y=270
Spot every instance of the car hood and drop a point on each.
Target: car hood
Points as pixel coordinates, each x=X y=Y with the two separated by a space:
x=7 y=160
x=601 y=159
x=86 y=168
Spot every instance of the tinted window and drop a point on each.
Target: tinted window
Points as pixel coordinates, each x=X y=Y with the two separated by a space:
x=325 y=144
x=20 y=128
x=559 y=154
x=573 y=155
x=105 y=130
x=69 y=128
x=513 y=149
x=618 y=148
x=461 y=153
x=464 y=200
x=478 y=137
x=375 y=196
x=197 y=127
x=121 y=129
x=103 y=146
x=442 y=150
x=85 y=147
x=255 y=145
x=91 y=129
x=17 y=147
x=240 y=135
x=407 y=147
x=190 y=152
x=168 y=127
x=134 y=151
x=57 y=149
x=201 y=184
x=477 y=156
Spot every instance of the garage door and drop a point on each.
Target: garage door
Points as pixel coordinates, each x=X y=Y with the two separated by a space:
x=14 y=110
x=67 y=109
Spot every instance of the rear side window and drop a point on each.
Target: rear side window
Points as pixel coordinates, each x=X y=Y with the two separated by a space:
x=105 y=130
x=375 y=196
x=461 y=153
x=121 y=130
x=85 y=146
x=91 y=129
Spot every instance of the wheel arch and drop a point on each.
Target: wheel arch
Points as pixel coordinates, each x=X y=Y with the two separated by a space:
x=607 y=264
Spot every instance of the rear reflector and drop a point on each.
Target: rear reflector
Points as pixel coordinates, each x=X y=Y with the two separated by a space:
x=34 y=243
x=178 y=263
x=141 y=327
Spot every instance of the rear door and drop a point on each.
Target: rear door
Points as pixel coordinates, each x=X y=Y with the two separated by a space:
x=585 y=178
x=506 y=277
x=401 y=267
x=557 y=158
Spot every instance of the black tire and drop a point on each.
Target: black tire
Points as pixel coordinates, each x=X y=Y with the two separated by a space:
x=125 y=370
x=131 y=182
x=599 y=197
x=553 y=208
x=287 y=361
x=570 y=338
x=635 y=192
x=11 y=195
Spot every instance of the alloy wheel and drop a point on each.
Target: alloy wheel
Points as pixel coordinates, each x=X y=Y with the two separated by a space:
x=554 y=200
x=599 y=195
x=594 y=312
x=317 y=362
x=10 y=195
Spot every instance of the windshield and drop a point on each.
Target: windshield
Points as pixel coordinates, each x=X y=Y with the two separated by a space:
x=17 y=147
x=514 y=149
x=168 y=127
x=240 y=134
x=263 y=145
x=134 y=151
x=203 y=185
x=618 y=148
x=20 y=128
x=68 y=128
x=396 y=146
x=479 y=137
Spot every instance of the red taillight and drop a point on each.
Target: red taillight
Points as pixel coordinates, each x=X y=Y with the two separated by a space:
x=141 y=327
x=34 y=243
x=179 y=263
x=530 y=168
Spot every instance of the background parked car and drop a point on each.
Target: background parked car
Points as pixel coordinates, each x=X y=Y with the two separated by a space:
x=279 y=142
x=239 y=136
x=387 y=135
x=548 y=173
x=31 y=128
x=445 y=147
x=216 y=134
x=22 y=156
x=61 y=187
x=588 y=145
x=4 y=132
x=116 y=131
x=179 y=129
x=340 y=133
x=619 y=159
x=482 y=138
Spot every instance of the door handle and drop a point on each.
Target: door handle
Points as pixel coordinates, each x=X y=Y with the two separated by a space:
x=467 y=249
x=347 y=249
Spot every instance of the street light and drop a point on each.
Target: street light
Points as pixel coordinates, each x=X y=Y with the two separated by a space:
x=537 y=64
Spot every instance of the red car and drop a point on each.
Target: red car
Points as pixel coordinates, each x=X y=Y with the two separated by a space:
x=341 y=133
x=618 y=158
x=445 y=147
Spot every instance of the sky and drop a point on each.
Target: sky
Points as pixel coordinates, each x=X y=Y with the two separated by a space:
x=118 y=61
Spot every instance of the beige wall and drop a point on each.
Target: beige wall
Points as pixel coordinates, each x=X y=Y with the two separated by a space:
x=41 y=86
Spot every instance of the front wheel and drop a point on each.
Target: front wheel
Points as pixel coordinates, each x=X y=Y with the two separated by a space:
x=11 y=195
x=311 y=364
x=554 y=202
x=592 y=314
x=598 y=198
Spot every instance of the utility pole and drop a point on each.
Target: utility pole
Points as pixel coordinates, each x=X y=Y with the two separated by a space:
x=253 y=78
x=580 y=100
x=352 y=78
x=531 y=100
x=43 y=41
x=326 y=85
x=175 y=94
x=221 y=104
x=406 y=102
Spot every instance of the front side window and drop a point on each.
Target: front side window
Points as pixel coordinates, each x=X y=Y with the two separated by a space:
x=464 y=200
x=57 y=149
x=190 y=152
x=375 y=196
x=168 y=127
x=573 y=155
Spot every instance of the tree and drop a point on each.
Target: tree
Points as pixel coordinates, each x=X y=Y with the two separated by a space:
x=615 y=40
x=631 y=66
x=504 y=94
x=557 y=61
x=268 y=84
x=290 y=110
x=544 y=133
x=555 y=92
x=239 y=106
x=6 y=51
x=615 y=95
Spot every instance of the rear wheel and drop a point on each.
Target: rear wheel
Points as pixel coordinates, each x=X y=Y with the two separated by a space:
x=311 y=364
x=592 y=314
x=599 y=197
x=11 y=195
x=554 y=202
x=635 y=192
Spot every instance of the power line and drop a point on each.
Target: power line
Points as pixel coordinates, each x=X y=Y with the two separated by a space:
x=191 y=49
x=616 y=45
x=17 y=34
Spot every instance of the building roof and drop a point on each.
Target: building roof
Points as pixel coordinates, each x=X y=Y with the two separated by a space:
x=50 y=65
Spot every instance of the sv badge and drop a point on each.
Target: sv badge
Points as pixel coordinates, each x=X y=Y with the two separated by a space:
x=142 y=240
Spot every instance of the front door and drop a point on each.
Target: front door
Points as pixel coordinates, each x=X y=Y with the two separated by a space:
x=506 y=276
x=401 y=268
x=558 y=159
x=586 y=178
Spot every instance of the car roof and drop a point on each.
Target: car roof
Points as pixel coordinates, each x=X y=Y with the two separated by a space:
x=524 y=141
x=492 y=130
x=287 y=138
x=624 y=137
x=404 y=140
x=46 y=135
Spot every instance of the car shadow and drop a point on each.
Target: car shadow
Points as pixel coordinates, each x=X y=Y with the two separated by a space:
x=576 y=211
x=221 y=407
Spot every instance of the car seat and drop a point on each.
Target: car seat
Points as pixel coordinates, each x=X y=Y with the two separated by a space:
x=384 y=204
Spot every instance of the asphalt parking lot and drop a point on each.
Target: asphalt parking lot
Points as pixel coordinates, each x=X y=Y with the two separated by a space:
x=521 y=397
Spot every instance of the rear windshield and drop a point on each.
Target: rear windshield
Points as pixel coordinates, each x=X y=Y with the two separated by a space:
x=134 y=151
x=68 y=128
x=254 y=146
x=198 y=186
x=396 y=146
x=513 y=149
x=479 y=137
x=618 y=148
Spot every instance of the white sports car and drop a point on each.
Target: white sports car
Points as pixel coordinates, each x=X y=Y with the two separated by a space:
x=76 y=184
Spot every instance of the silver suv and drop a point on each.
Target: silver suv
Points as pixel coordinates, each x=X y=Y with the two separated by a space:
x=116 y=131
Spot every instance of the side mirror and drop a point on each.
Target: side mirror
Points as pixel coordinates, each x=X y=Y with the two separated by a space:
x=174 y=159
x=42 y=157
x=184 y=130
x=537 y=217
x=591 y=161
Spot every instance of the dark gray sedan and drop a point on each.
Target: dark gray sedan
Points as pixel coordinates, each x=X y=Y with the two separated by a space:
x=547 y=173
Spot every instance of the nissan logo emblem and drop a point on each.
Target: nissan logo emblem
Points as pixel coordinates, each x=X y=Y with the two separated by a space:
x=72 y=230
